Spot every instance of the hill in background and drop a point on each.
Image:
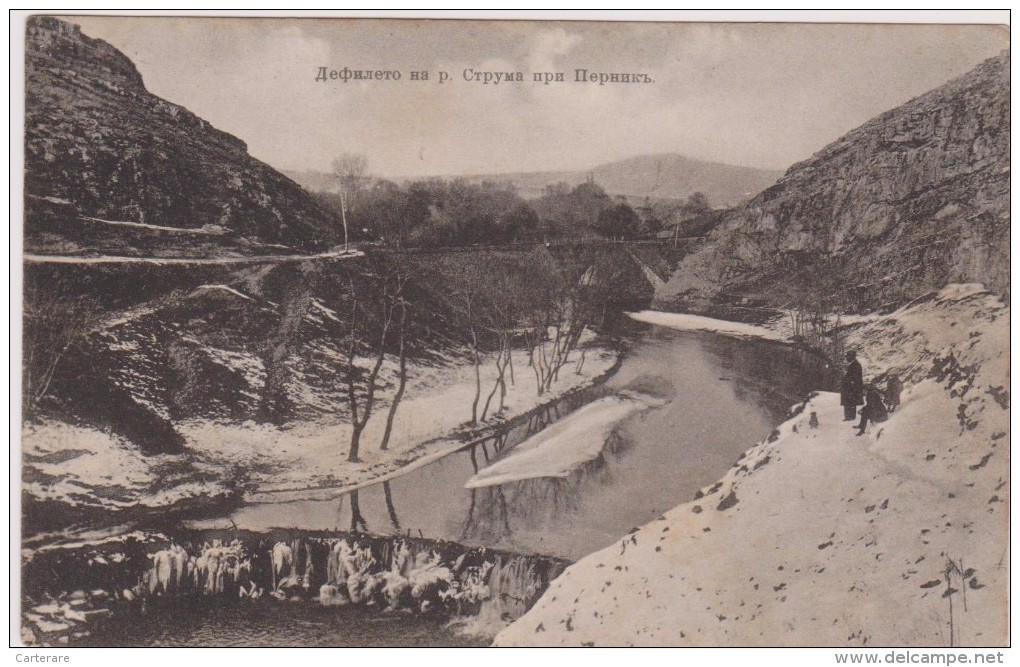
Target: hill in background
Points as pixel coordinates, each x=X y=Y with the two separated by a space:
x=659 y=177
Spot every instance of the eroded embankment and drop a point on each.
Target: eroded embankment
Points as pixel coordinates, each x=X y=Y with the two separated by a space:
x=820 y=537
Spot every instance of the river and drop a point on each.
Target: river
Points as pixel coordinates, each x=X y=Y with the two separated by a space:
x=721 y=395
x=696 y=402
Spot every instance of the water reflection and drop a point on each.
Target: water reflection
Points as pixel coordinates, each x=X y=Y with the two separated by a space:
x=356 y=518
x=721 y=396
x=389 y=506
x=488 y=519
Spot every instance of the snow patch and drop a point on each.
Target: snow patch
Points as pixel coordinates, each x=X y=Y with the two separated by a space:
x=688 y=322
x=226 y=288
x=214 y=230
x=328 y=312
x=561 y=448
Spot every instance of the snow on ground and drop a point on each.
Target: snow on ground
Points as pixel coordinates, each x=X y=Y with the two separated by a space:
x=686 y=322
x=54 y=200
x=77 y=465
x=226 y=288
x=214 y=230
x=818 y=537
x=328 y=312
x=778 y=329
x=434 y=413
x=559 y=449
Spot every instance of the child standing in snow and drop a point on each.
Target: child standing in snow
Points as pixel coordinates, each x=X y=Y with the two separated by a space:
x=874 y=410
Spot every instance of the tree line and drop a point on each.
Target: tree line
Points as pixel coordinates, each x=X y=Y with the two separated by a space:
x=436 y=212
x=488 y=304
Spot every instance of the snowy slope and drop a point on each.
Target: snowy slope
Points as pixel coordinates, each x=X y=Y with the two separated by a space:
x=820 y=537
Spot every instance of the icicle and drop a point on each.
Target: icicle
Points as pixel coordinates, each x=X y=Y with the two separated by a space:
x=283 y=565
x=330 y=596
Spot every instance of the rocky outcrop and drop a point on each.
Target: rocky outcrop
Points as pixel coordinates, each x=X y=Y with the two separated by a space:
x=914 y=199
x=98 y=144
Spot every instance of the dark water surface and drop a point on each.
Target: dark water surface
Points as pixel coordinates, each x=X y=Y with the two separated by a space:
x=723 y=396
x=278 y=625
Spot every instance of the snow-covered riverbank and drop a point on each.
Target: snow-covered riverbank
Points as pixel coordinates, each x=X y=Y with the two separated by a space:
x=777 y=330
x=819 y=537
x=78 y=467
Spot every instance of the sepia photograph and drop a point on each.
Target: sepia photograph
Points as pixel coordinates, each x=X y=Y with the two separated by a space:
x=464 y=332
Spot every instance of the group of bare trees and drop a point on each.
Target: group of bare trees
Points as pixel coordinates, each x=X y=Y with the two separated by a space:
x=536 y=304
x=377 y=308
x=456 y=212
x=489 y=304
x=813 y=293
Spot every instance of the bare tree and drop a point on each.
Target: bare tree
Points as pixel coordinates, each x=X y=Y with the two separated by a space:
x=560 y=316
x=55 y=325
x=388 y=298
x=402 y=376
x=502 y=304
x=460 y=286
x=501 y=329
x=350 y=171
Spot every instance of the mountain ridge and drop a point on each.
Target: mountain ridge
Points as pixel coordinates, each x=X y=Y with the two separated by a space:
x=913 y=199
x=99 y=145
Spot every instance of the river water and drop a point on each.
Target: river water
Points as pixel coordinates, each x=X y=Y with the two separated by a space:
x=721 y=396
x=275 y=625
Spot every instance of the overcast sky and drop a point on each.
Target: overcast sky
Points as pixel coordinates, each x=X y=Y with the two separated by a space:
x=762 y=95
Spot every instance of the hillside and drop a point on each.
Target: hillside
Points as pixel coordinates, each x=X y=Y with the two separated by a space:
x=664 y=176
x=913 y=199
x=100 y=150
x=817 y=537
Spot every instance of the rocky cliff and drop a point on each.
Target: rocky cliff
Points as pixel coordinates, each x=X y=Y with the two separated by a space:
x=916 y=198
x=99 y=145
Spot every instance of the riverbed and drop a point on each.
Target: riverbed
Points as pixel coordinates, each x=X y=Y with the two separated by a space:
x=694 y=403
x=711 y=398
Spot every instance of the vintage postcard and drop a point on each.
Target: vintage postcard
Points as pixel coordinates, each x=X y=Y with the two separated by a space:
x=394 y=332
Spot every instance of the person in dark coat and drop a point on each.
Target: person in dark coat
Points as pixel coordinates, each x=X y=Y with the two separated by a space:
x=851 y=391
x=874 y=410
x=893 y=387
